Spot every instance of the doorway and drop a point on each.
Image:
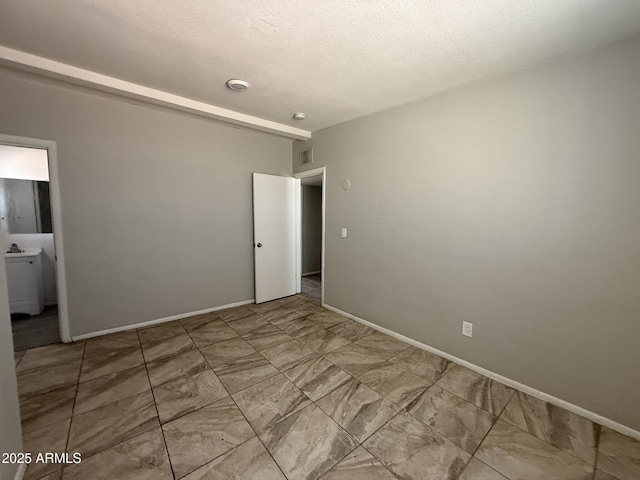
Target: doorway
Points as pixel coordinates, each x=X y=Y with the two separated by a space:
x=311 y=235
x=30 y=234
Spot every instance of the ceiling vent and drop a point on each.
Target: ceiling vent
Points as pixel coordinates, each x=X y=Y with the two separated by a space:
x=306 y=156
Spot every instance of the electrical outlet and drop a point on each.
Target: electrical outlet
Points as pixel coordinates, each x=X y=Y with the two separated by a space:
x=467 y=329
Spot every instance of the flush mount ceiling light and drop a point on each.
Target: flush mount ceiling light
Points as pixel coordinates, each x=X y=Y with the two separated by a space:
x=299 y=116
x=237 y=85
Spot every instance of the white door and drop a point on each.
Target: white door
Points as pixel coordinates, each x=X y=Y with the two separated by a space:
x=274 y=235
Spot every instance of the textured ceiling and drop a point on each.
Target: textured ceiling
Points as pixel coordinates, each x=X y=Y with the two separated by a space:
x=332 y=59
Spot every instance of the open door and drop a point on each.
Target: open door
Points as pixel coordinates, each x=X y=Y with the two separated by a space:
x=274 y=236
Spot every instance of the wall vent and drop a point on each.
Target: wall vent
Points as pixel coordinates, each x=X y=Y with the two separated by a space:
x=306 y=156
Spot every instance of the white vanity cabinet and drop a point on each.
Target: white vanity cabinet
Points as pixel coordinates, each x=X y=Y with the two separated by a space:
x=24 y=281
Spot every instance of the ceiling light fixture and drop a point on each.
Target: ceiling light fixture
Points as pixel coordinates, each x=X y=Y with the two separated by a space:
x=299 y=116
x=237 y=85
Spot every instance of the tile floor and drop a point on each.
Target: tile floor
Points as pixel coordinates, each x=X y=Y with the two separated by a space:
x=288 y=390
x=312 y=285
x=36 y=331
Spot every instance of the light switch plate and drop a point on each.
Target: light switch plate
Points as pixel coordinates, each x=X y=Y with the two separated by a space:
x=467 y=329
x=344 y=233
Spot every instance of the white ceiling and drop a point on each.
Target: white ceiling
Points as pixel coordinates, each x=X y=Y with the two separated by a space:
x=332 y=59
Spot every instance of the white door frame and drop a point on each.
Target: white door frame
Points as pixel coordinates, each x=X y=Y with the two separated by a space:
x=56 y=214
x=312 y=173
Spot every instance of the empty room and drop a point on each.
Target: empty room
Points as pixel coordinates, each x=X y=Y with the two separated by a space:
x=287 y=240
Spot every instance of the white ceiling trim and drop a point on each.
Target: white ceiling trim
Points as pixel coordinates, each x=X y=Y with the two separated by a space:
x=79 y=76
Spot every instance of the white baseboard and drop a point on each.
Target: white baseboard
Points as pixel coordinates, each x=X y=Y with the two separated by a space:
x=22 y=468
x=149 y=323
x=311 y=273
x=594 y=417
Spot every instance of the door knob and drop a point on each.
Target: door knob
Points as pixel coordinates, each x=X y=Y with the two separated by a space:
x=259 y=245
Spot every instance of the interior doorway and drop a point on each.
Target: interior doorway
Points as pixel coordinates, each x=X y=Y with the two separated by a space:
x=311 y=236
x=31 y=239
x=28 y=243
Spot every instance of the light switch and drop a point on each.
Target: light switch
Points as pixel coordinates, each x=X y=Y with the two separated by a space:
x=344 y=233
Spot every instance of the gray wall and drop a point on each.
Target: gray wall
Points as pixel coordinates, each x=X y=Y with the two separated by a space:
x=11 y=436
x=311 y=228
x=512 y=203
x=156 y=204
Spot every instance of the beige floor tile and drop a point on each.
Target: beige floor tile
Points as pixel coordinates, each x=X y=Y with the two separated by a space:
x=51 y=355
x=482 y=391
x=307 y=443
x=520 y=456
x=300 y=327
x=245 y=372
x=49 y=439
x=324 y=341
x=185 y=394
x=267 y=337
x=357 y=409
x=212 y=332
x=619 y=455
x=235 y=313
x=307 y=309
x=248 y=324
x=359 y=465
x=53 y=476
x=476 y=470
x=317 y=377
x=17 y=356
x=311 y=299
x=281 y=315
x=383 y=344
x=326 y=319
x=460 y=421
x=111 y=388
x=196 y=321
x=422 y=363
x=103 y=361
x=222 y=353
x=43 y=380
x=268 y=402
x=352 y=331
x=107 y=426
x=108 y=344
x=395 y=384
x=600 y=475
x=201 y=436
x=569 y=432
x=355 y=359
x=166 y=347
x=47 y=409
x=359 y=389
x=288 y=355
x=247 y=461
x=159 y=333
x=263 y=308
x=141 y=458
x=183 y=365
x=413 y=451
x=294 y=301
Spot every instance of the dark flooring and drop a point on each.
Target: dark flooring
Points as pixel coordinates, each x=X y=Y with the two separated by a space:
x=37 y=331
x=312 y=285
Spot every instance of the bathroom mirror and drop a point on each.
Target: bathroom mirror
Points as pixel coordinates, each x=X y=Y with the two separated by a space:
x=24 y=206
